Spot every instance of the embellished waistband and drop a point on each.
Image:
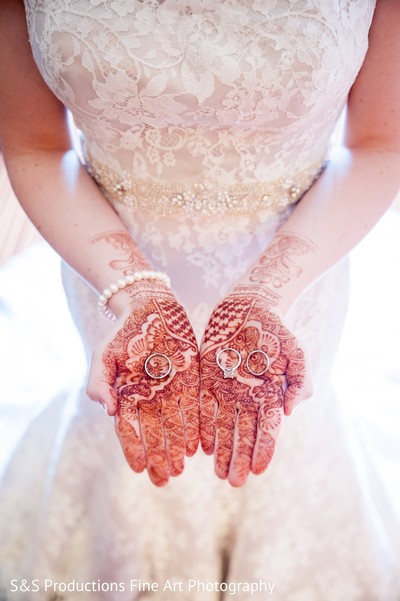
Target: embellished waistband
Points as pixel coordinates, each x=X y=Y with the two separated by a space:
x=201 y=198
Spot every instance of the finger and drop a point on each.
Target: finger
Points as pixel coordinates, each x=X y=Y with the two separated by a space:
x=208 y=401
x=189 y=406
x=298 y=379
x=101 y=379
x=128 y=431
x=226 y=417
x=244 y=441
x=174 y=437
x=270 y=420
x=152 y=433
x=208 y=404
x=208 y=416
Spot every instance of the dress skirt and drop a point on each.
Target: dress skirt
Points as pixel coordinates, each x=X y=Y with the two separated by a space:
x=80 y=525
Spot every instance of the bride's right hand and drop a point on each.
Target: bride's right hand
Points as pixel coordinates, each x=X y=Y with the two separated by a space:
x=156 y=415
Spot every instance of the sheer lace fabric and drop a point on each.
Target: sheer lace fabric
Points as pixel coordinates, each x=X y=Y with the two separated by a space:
x=235 y=91
x=181 y=91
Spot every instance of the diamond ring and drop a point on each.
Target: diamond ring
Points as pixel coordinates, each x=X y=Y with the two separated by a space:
x=228 y=368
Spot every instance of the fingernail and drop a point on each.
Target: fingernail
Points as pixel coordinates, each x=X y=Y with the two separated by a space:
x=103 y=406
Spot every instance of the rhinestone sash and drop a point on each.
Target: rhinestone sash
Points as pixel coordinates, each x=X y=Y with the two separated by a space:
x=200 y=198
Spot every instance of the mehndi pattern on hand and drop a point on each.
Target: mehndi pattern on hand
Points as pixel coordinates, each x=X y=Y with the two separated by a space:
x=241 y=416
x=156 y=419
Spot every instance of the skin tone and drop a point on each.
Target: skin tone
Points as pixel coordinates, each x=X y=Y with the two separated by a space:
x=156 y=419
x=241 y=416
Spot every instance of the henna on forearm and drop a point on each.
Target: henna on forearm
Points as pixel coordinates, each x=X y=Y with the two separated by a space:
x=277 y=264
x=131 y=258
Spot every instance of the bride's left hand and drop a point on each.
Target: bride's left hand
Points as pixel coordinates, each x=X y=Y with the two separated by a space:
x=241 y=411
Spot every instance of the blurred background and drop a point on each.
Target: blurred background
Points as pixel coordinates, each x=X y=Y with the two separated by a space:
x=41 y=354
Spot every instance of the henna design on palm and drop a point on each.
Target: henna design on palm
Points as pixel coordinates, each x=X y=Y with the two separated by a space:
x=157 y=420
x=241 y=416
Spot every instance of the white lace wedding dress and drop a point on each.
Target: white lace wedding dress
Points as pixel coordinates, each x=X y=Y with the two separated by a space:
x=203 y=121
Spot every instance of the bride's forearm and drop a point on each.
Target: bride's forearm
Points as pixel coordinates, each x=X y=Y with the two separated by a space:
x=71 y=213
x=340 y=209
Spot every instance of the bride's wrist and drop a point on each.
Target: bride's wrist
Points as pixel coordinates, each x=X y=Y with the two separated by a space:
x=246 y=288
x=124 y=301
x=119 y=296
x=278 y=303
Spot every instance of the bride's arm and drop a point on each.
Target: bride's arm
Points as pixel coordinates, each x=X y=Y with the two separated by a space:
x=53 y=188
x=73 y=216
x=241 y=416
x=359 y=183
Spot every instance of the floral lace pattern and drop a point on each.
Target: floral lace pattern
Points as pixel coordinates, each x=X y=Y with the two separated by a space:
x=182 y=88
x=75 y=518
x=239 y=92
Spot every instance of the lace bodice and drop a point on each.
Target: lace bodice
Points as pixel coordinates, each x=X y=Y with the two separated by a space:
x=185 y=89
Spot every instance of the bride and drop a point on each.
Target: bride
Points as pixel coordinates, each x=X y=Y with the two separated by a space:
x=204 y=216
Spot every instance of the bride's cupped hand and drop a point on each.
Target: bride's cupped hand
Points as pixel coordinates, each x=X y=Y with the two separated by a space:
x=146 y=374
x=253 y=371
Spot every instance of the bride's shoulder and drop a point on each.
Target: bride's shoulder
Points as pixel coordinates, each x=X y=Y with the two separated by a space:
x=27 y=106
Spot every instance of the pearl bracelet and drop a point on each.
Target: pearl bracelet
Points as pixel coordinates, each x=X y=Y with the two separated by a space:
x=128 y=280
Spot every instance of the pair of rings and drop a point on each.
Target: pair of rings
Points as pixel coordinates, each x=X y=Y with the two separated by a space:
x=158 y=366
x=229 y=369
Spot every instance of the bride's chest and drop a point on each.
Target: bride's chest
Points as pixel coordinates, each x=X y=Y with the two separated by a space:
x=199 y=56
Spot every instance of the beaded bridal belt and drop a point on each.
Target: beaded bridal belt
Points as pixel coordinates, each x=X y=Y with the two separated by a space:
x=200 y=199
